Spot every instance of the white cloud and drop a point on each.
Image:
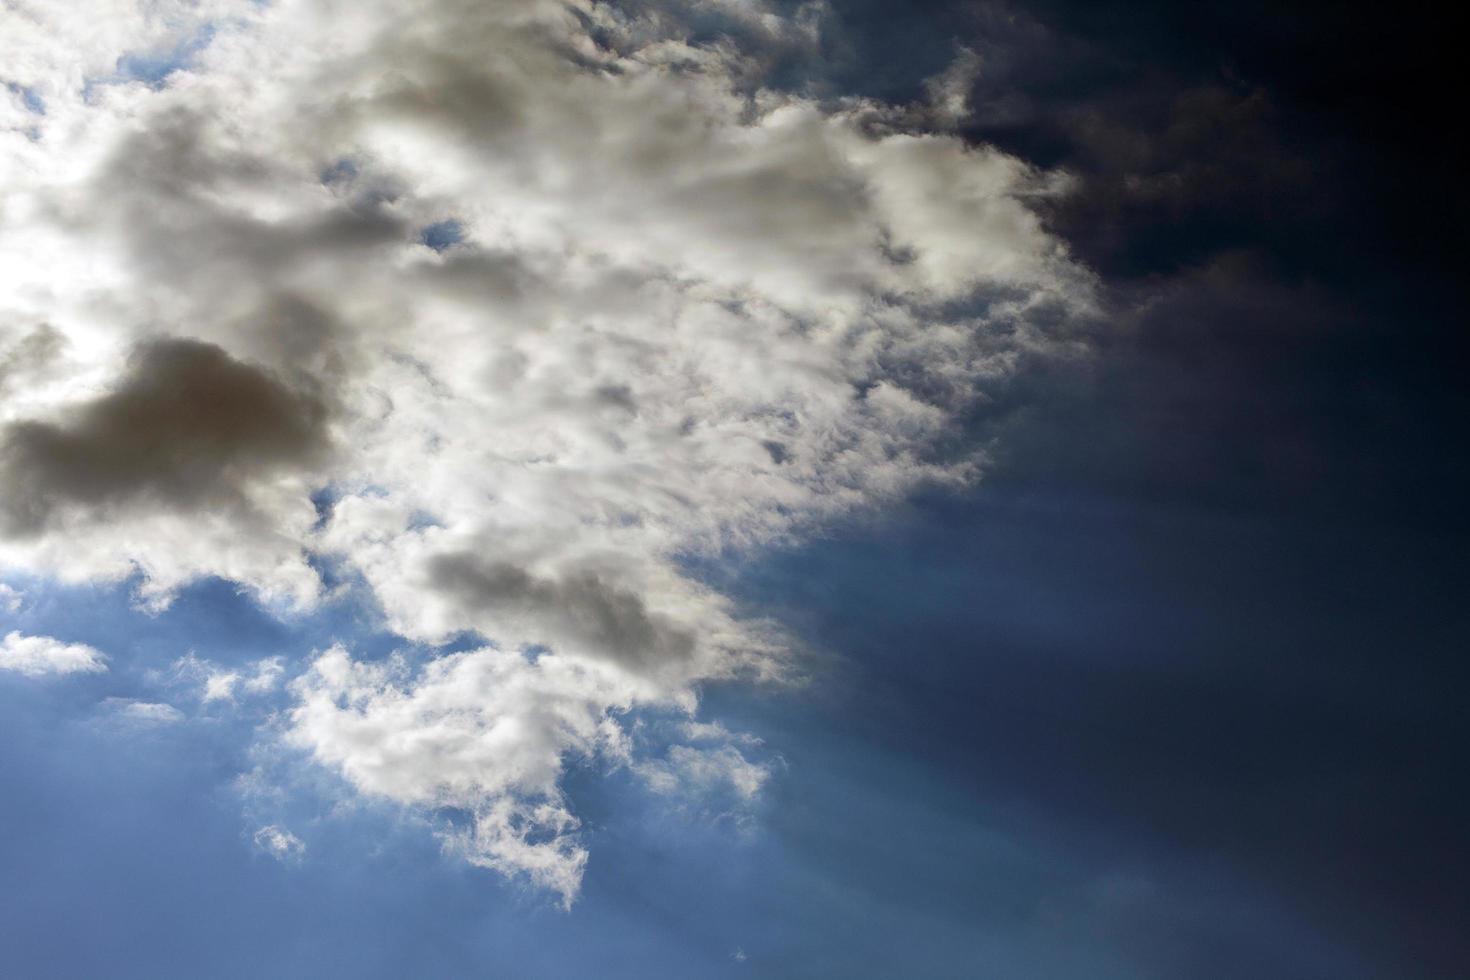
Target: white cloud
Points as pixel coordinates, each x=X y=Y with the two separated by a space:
x=710 y=770
x=485 y=731
x=689 y=314
x=688 y=770
x=216 y=683
x=37 y=656
x=265 y=676
x=280 y=843
x=10 y=599
x=134 y=713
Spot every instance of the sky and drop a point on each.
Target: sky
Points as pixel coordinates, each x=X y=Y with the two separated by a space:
x=730 y=488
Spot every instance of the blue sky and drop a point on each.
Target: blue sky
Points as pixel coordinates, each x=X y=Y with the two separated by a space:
x=946 y=801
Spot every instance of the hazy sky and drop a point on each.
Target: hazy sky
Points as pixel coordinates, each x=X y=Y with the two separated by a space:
x=558 y=488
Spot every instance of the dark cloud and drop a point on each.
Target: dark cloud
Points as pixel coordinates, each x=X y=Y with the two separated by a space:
x=582 y=609
x=1227 y=387
x=1277 y=245
x=171 y=192
x=188 y=427
x=1167 y=181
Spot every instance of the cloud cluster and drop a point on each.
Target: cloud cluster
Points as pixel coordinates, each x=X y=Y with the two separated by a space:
x=484 y=731
x=680 y=312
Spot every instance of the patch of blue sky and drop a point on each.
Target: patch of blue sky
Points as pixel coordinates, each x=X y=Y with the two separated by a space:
x=340 y=172
x=442 y=235
x=422 y=520
x=32 y=102
x=29 y=97
x=324 y=499
x=154 y=68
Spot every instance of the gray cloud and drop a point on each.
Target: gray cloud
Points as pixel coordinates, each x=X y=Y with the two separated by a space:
x=26 y=356
x=188 y=427
x=582 y=610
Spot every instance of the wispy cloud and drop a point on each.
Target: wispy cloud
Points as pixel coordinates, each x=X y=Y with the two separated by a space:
x=211 y=682
x=279 y=843
x=135 y=713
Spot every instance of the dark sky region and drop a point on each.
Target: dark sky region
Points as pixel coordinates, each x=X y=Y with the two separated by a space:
x=1173 y=692
x=1212 y=598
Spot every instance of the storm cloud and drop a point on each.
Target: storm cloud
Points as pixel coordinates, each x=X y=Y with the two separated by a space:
x=187 y=428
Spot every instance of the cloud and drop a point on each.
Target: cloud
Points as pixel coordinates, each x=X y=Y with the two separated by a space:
x=26 y=356
x=215 y=683
x=582 y=612
x=137 y=714
x=484 y=731
x=704 y=771
x=710 y=771
x=279 y=843
x=38 y=656
x=188 y=429
x=683 y=314
x=10 y=598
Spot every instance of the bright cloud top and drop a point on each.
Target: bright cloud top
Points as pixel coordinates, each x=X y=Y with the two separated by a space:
x=503 y=310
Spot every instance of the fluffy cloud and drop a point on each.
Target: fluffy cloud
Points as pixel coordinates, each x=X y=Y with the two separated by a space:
x=37 y=656
x=484 y=731
x=682 y=313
